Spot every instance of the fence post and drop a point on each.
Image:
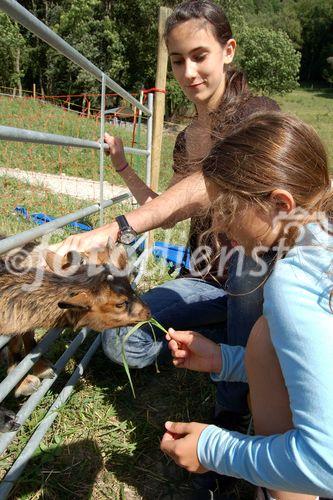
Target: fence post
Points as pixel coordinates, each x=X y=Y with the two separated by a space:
x=150 y=239
x=101 y=153
x=159 y=101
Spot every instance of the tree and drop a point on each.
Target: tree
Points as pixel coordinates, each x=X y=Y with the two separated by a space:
x=316 y=17
x=269 y=60
x=13 y=53
x=87 y=26
x=176 y=101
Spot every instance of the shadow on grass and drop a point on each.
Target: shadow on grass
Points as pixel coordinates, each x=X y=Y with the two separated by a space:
x=326 y=92
x=61 y=472
x=171 y=394
x=105 y=443
x=168 y=395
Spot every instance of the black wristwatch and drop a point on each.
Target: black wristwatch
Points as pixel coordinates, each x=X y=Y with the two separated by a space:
x=126 y=234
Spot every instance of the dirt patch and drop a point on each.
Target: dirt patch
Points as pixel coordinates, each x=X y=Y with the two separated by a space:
x=85 y=189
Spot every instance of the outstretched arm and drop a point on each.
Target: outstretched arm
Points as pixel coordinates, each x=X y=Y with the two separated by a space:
x=184 y=199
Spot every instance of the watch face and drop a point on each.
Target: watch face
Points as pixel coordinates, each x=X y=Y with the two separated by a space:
x=127 y=237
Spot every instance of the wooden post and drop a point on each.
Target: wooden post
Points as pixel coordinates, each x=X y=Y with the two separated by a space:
x=34 y=90
x=17 y=68
x=159 y=99
x=159 y=105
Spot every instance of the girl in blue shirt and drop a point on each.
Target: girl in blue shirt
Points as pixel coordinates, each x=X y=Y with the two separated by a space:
x=270 y=189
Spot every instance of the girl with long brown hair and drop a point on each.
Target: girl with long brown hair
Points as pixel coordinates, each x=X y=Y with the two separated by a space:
x=282 y=200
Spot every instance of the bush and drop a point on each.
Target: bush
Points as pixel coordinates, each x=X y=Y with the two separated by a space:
x=269 y=60
x=176 y=101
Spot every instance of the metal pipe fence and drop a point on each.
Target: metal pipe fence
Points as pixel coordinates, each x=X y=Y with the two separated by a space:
x=23 y=135
x=24 y=17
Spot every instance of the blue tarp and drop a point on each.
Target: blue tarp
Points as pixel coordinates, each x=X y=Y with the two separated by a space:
x=40 y=218
x=175 y=255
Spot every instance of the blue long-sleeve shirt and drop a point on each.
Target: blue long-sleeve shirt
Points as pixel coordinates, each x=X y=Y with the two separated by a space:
x=297 y=309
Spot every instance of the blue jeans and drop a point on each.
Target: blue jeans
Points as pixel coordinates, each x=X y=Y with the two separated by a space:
x=195 y=304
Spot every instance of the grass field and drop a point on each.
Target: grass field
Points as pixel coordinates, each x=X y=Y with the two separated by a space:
x=315 y=107
x=45 y=117
x=105 y=444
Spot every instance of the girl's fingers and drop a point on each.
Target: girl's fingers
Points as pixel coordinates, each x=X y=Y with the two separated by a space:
x=181 y=428
x=168 y=436
x=173 y=346
x=176 y=350
x=178 y=362
x=183 y=337
x=180 y=354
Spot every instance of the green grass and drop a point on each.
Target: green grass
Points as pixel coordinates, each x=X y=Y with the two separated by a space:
x=35 y=115
x=315 y=107
x=105 y=444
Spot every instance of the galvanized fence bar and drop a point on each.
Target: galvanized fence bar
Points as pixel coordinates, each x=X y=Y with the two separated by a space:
x=29 y=21
x=28 y=407
x=3 y=341
x=20 y=14
x=136 y=245
x=20 y=239
x=101 y=153
x=24 y=135
x=149 y=138
x=140 y=264
x=17 y=468
x=27 y=363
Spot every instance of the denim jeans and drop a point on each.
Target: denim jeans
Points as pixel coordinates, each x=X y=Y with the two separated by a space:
x=222 y=315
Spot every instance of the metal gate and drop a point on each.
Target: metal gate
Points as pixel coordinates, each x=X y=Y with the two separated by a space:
x=24 y=17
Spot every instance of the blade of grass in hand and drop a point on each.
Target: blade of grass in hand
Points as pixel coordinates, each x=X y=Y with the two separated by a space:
x=151 y=322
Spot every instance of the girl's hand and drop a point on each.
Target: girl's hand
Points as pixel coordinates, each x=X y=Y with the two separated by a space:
x=180 y=442
x=116 y=150
x=194 y=351
x=86 y=242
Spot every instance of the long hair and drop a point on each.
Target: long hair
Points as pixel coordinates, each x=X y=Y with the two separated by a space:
x=269 y=151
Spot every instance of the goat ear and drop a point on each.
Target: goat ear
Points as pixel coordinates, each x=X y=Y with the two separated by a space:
x=81 y=301
x=58 y=262
x=51 y=258
x=118 y=257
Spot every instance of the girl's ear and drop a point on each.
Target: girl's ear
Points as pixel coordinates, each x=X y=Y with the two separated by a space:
x=229 y=51
x=282 y=201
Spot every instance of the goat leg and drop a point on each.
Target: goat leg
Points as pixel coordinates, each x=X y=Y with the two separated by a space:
x=43 y=368
x=30 y=383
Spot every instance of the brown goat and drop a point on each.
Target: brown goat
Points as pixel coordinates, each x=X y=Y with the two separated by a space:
x=103 y=300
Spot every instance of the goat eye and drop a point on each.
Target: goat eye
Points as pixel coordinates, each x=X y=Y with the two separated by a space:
x=122 y=304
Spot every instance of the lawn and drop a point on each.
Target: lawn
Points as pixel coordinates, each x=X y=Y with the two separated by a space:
x=105 y=443
x=45 y=117
x=315 y=107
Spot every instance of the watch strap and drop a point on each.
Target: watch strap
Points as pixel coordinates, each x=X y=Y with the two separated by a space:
x=122 y=223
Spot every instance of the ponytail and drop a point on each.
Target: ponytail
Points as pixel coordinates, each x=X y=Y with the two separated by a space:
x=236 y=84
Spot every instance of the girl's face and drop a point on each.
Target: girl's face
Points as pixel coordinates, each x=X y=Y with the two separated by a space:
x=198 y=61
x=253 y=228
